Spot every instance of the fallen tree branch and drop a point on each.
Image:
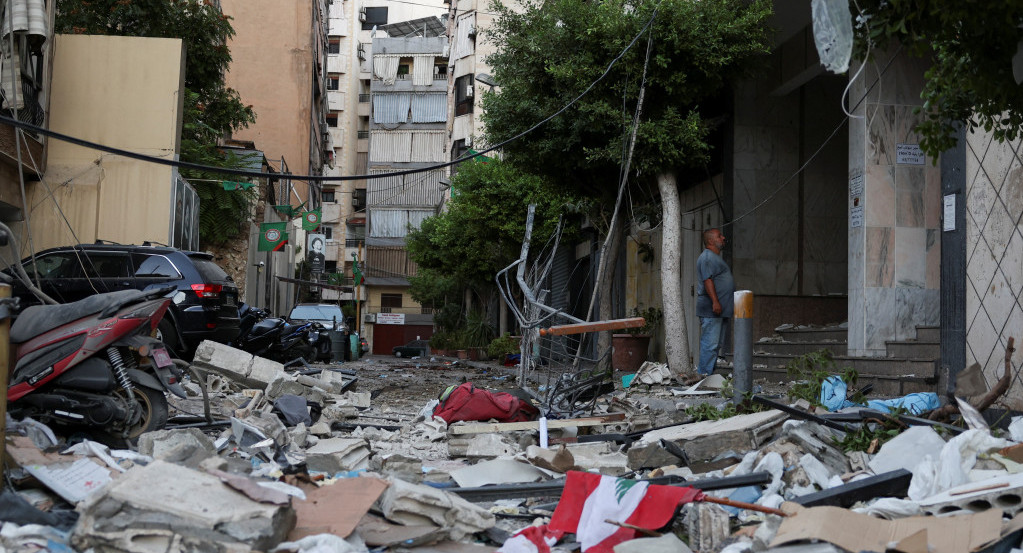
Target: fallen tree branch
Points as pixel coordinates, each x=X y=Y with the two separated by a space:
x=987 y=399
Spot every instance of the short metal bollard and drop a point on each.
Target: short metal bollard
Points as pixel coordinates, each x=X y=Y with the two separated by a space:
x=742 y=345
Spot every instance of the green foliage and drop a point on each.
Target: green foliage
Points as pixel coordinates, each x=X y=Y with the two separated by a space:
x=442 y=292
x=478 y=332
x=653 y=317
x=550 y=51
x=444 y=339
x=503 y=345
x=211 y=108
x=971 y=46
x=710 y=412
x=863 y=439
x=811 y=370
x=481 y=231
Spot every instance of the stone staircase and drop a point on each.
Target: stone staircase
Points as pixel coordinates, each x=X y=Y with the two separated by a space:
x=910 y=366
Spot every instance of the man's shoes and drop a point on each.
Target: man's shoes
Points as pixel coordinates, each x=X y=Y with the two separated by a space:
x=721 y=361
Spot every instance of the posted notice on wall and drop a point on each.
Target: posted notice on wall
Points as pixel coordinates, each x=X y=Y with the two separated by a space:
x=948 y=212
x=856 y=216
x=390 y=318
x=856 y=201
x=909 y=154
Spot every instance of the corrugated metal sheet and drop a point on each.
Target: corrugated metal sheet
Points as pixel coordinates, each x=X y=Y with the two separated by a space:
x=428 y=146
x=385 y=67
x=422 y=70
x=389 y=261
x=391 y=107
x=464 y=44
x=29 y=16
x=429 y=108
x=387 y=223
x=418 y=189
x=390 y=146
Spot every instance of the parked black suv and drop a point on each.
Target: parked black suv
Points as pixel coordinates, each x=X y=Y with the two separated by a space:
x=204 y=308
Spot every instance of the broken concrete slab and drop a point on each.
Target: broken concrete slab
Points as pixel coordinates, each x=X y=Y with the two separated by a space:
x=185 y=446
x=818 y=441
x=238 y=365
x=603 y=457
x=167 y=507
x=419 y=505
x=704 y=440
x=333 y=455
x=482 y=446
x=707 y=525
x=668 y=543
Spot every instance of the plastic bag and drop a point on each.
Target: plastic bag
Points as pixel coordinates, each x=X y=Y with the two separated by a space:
x=833 y=33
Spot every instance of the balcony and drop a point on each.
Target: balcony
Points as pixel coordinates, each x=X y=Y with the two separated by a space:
x=412 y=310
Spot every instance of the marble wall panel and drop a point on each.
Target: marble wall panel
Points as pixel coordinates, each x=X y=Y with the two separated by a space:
x=910 y=257
x=857 y=136
x=972 y=304
x=981 y=269
x=1012 y=264
x=879 y=257
x=915 y=307
x=855 y=337
x=909 y=79
x=744 y=273
x=906 y=122
x=1012 y=192
x=997 y=162
x=879 y=196
x=933 y=259
x=744 y=189
x=825 y=194
x=980 y=199
x=1000 y=227
x=857 y=261
x=825 y=239
x=880 y=319
x=776 y=277
x=981 y=338
x=778 y=193
x=910 y=191
x=823 y=279
x=999 y=301
x=777 y=238
x=880 y=139
x=744 y=147
x=741 y=236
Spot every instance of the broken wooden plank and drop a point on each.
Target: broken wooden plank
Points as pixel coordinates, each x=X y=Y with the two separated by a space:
x=481 y=427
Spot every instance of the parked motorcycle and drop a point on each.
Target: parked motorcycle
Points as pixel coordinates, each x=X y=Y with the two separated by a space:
x=95 y=364
x=275 y=338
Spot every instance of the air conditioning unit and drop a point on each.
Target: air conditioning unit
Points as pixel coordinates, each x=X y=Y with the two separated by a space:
x=468 y=142
x=468 y=91
x=362 y=14
x=369 y=317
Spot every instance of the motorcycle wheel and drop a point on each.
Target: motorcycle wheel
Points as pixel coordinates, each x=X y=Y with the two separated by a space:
x=153 y=410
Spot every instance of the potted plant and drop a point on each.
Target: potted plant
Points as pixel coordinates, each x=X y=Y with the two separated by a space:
x=503 y=346
x=630 y=347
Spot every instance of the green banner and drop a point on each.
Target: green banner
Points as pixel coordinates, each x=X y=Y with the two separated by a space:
x=311 y=220
x=357 y=273
x=272 y=236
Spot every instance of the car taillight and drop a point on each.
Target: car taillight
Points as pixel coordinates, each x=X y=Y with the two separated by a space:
x=207 y=290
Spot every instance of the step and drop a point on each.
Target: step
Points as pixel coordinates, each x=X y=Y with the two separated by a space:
x=928 y=333
x=910 y=349
x=799 y=348
x=813 y=334
x=885 y=366
x=884 y=386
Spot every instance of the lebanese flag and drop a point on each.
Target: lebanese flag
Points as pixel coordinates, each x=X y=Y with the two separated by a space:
x=531 y=539
x=590 y=499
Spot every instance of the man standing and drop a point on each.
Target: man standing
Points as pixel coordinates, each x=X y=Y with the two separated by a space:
x=714 y=300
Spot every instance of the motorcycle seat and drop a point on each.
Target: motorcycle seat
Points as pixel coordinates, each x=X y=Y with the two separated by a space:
x=38 y=319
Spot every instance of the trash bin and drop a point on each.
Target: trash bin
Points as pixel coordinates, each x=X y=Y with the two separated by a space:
x=354 y=337
x=337 y=346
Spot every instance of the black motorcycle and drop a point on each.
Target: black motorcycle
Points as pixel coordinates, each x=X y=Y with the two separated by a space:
x=276 y=339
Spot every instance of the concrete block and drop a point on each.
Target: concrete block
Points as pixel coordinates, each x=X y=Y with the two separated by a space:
x=707 y=525
x=283 y=384
x=401 y=467
x=320 y=428
x=419 y=505
x=223 y=359
x=339 y=412
x=334 y=455
x=481 y=446
x=166 y=507
x=186 y=446
x=359 y=400
x=603 y=457
x=262 y=371
x=818 y=441
x=270 y=426
x=668 y=543
x=1001 y=492
x=703 y=441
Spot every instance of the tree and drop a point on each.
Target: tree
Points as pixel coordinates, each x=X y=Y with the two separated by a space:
x=481 y=230
x=972 y=46
x=211 y=108
x=550 y=51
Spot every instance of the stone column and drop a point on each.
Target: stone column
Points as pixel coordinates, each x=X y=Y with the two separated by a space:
x=894 y=209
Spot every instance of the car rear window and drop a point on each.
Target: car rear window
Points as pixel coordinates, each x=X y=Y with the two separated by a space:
x=210 y=271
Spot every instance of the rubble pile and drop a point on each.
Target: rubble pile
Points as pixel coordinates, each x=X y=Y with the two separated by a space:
x=301 y=459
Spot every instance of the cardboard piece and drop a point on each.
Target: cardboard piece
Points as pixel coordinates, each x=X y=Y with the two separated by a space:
x=857 y=532
x=337 y=508
x=72 y=477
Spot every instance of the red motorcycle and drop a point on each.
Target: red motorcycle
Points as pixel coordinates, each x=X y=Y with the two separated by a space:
x=95 y=364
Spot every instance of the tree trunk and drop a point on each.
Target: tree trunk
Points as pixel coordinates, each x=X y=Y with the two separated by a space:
x=676 y=331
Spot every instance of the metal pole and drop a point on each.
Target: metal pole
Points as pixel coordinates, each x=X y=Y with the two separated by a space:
x=742 y=341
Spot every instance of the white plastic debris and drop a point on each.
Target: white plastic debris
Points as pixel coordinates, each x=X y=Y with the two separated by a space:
x=952 y=466
x=833 y=33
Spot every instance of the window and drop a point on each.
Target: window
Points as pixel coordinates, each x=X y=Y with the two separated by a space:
x=458 y=150
x=330 y=266
x=154 y=266
x=333 y=46
x=332 y=120
x=359 y=198
x=328 y=231
x=327 y=197
x=333 y=83
x=440 y=72
x=389 y=302
x=403 y=70
x=107 y=265
x=375 y=17
x=463 y=95
x=55 y=265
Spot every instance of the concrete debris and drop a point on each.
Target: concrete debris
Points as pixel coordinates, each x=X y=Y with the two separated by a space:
x=168 y=507
x=298 y=460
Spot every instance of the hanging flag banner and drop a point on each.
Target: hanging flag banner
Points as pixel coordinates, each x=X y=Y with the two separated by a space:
x=357 y=273
x=311 y=220
x=272 y=236
x=231 y=185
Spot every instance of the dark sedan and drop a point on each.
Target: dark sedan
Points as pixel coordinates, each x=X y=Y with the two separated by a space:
x=420 y=348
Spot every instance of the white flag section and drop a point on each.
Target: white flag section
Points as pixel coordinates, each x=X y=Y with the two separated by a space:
x=614 y=499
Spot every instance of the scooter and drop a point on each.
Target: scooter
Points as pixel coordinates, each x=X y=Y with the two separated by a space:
x=274 y=338
x=95 y=364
